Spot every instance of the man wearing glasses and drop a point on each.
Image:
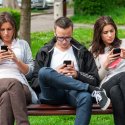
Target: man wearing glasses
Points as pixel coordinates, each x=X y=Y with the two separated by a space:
x=65 y=72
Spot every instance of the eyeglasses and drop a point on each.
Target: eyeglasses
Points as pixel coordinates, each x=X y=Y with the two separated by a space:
x=61 y=39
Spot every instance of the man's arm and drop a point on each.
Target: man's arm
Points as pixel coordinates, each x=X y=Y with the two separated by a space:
x=88 y=71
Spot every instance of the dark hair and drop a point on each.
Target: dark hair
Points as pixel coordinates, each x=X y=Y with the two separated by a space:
x=63 y=22
x=7 y=17
x=97 y=42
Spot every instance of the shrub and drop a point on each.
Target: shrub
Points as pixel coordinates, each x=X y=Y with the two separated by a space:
x=120 y=3
x=92 y=7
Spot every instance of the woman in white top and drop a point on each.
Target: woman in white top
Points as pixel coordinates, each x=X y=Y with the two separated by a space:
x=15 y=63
x=109 y=53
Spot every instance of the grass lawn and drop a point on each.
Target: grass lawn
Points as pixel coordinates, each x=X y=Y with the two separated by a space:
x=84 y=36
x=69 y=120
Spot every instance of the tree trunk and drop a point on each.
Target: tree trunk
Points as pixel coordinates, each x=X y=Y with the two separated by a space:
x=25 y=20
x=11 y=4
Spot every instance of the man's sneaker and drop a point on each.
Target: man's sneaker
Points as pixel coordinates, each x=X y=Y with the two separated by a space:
x=101 y=98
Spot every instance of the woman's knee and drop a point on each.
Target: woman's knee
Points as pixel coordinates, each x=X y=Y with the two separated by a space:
x=9 y=84
x=15 y=86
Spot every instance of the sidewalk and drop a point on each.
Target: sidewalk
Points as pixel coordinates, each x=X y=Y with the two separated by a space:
x=45 y=21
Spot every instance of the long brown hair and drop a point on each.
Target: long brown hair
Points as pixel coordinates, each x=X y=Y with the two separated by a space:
x=97 y=42
x=7 y=17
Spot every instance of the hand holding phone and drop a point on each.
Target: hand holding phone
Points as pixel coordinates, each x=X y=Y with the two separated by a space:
x=4 y=47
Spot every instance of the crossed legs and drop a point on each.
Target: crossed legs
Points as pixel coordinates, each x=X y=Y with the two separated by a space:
x=12 y=103
x=56 y=88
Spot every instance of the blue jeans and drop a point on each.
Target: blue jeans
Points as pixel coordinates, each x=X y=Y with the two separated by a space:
x=57 y=88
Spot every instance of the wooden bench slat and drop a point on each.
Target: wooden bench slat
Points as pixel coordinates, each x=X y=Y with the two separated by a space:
x=44 y=109
x=52 y=112
x=45 y=106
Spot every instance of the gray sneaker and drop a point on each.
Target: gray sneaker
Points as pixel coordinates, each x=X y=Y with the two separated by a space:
x=101 y=98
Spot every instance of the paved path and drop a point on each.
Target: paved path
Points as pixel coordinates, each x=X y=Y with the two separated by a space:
x=44 y=22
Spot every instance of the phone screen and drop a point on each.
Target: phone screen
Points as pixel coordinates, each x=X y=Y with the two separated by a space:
x=67 y=62
x=116 y=50
x=4 y=47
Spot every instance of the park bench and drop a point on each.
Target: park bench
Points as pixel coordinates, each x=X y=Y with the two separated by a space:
x=45 y=109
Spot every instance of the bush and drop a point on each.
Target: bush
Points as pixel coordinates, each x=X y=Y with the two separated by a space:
x=15 y=14
x=120 y=3
x=92 y=7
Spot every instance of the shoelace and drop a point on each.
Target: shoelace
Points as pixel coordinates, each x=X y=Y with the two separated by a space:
x=97 y=96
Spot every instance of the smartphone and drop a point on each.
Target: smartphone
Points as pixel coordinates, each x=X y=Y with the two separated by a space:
x=67 y=62
x=4 y=47
x=116 y=50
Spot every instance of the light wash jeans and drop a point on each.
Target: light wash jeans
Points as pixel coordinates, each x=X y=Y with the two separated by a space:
x=57 y=88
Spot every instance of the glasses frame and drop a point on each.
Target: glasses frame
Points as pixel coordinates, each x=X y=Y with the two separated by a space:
x=61 y=39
